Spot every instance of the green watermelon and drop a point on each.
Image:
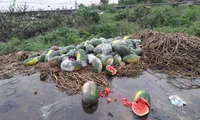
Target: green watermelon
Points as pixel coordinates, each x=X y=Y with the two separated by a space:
x=81 y=55
x=101 y=56
x=34 y=55
x=141 y=103
x=132 y=50
x=103 y=40
x=42 y=56
x=129 y=43
x=47 y=55
x=56 y=58
x=54 y=48
x=133 y=43
x=121 y=50
x=69 y=65
x=97 y=65
x=54 y=53
x=89 y=48
x=90 y=58
x=71 y=53
x=108 y=60
x=132 y=58
x=113 y=54
x=66 y=49
x=126 y=37
x=119 y=42
x=117 y=38
x=103 y=48
x=138 y=51
x=138 y=41
x=109 y=40
x=96 y=42
x=32 y=61
x=110 y=70
x=89 y=93
x=117 y=59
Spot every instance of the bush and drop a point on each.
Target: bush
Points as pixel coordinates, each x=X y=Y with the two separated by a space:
x=127 y=2
x=9 y=47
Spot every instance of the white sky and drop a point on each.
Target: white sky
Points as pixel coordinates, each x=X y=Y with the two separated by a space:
x=44 y=4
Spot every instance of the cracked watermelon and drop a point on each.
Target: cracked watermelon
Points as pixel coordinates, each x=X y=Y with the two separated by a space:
x=108 y=60
x=110 y=70
x=141 y=103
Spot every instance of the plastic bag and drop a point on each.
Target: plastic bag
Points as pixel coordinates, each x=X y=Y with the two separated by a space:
x=176 y=100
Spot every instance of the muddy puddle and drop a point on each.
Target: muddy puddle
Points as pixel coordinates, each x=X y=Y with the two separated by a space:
x=27 y=98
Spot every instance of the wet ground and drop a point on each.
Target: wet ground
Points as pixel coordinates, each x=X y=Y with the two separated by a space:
x=27 y=98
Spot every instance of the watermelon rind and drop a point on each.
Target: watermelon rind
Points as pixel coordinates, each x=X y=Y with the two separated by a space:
x=143 y=94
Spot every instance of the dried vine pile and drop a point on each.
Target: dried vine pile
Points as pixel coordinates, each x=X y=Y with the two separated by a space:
x=12 y=64
x=176 y=54
x=70 y=80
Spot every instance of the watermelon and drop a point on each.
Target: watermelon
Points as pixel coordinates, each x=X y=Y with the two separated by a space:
x=95 y=41
x=54 y=48
x=129 y=43
x=89 y=48
x=141 y=103
x=117 y=59
x=34 y=55
x=132 y=50
x=31 y=61
x=90 y=58
x=50 y=54
x=126 y=37
x=47 y=55
x=132 y=58
x=117 y=38
x=81 y=46
x=103 y=48
x=137 y=41
x=144 y=94
x=66 y=49
x=119 y=42
x=42 y=56
x=81 y=55
x=113 y=54
x=109 y=40
x=101 y=56
x=71 y=53
x=89 y=93
x=138 y=51
x=108 y=60
x=110 y=70
x=56 y=58
x=97 y=65
x=103 y=40
x=69 y=65
x=54 y=53
x=121 y=50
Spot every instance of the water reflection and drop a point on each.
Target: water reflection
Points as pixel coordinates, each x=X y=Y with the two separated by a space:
x=90 y=109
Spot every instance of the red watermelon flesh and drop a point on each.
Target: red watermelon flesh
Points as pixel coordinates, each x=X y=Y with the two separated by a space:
x=112 y=70
x=140 y=107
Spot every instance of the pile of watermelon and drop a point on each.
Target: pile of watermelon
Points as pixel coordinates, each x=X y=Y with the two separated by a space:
x=99 y=53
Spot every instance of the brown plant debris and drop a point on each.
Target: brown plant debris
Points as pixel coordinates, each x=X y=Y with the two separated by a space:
x=177 y=54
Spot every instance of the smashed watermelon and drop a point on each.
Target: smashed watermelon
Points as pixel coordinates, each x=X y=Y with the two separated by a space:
x=140 y=107
x=110 y=70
